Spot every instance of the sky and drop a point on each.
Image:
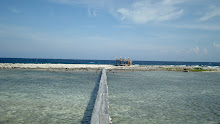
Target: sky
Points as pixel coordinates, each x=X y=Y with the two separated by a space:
x=150 y=30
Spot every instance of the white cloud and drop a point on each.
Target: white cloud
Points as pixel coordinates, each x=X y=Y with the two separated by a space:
x=97 y=38
x=19 y=32
x=205 y=51
x=195 y=50
x=210 y=27
x=91 y=13
x=214 y=11
x=217 y=45
x=123 y=26
x=147 y=10
x=91 y=3
x=14 y=10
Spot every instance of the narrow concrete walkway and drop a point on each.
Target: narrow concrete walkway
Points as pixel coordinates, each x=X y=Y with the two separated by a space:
x=100 y=113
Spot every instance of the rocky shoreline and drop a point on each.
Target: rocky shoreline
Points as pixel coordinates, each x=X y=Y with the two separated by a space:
x=109 y=68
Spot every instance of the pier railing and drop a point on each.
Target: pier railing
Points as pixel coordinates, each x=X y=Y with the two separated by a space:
x=100 y=113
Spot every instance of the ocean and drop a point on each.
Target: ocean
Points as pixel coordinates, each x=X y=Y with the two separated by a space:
x=108 y=62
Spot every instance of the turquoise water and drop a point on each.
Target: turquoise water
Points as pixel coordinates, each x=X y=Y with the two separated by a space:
x=164 y=98
x=37 y=96
x=46 y=97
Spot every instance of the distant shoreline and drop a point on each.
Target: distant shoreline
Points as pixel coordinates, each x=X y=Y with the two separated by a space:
x=88 y=67
x=104 y=62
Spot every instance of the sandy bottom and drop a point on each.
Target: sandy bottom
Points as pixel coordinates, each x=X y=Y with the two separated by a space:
x=45 y=97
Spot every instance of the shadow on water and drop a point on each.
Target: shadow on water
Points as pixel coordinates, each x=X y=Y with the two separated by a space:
x=88 y=112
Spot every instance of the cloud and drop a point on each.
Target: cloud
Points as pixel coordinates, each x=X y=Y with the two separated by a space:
x=20 y=32
x=14 y=10
x=91 y=13
x=91 y=3
x=147 y=11
x=216 y=45
x=97 y=38
x=214 y=11
x=195 y=50
x=205 y=51
x=210 y=27
x=123 y=26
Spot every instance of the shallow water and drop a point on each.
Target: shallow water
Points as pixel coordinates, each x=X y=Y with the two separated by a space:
x=164 y=97
x=36 y=96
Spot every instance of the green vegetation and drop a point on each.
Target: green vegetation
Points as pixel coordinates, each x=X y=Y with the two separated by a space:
x=199 y=69
x=174 y=69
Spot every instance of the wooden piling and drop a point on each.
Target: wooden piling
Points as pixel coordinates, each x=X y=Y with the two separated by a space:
x=100 y=113
x=123 y=62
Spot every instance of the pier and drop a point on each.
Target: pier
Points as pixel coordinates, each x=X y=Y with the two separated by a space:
x=100 y=114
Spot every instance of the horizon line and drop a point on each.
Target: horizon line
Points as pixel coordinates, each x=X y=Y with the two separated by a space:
x=103 y=59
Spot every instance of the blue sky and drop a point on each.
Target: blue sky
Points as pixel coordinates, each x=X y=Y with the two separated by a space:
x=153 y=30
